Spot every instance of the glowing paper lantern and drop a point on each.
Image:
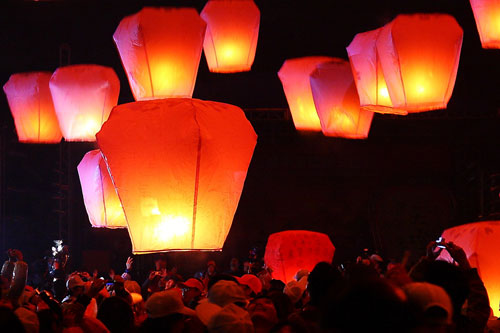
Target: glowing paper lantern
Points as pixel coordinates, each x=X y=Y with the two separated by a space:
x=160 y=50
x=178 y=166
x=294 y=76
x=337 y=101
x=31 y=106
x=481 y=243
x=83 y=97
x=231 y=37
x=292 y=250
x=419 y=56
x=487 y=15
x=101 y=201
x=368 y=75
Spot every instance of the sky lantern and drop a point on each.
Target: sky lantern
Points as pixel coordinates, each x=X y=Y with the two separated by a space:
x=31 y=106
x=101 y=201
x=419 y=57
x=337 y=102
x=481 y=243
x=289 y=251
x=487 y=15
x=83 y=97
x=160 y=50
x=294 y=76
x=232 y=33
x=179 y=166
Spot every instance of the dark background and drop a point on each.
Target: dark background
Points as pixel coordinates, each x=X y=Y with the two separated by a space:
x=413 y=176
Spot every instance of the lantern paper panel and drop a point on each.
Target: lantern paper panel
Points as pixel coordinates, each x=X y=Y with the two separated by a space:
x=101 y=201
x=487 y=15
x=179 y=166
x=289 y=251
x=419 y=56
x=83 y=97
x=481 y=243
x=31 y=106
x=337 y=102
x=368 y=75
x=231 y=36
x=160 y=49
x=294 y=76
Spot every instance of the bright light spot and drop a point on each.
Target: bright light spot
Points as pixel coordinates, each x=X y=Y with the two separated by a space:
x=384 y=92
x=228 y=52
x=171 y=226
x=155 y=211
x=420 y=89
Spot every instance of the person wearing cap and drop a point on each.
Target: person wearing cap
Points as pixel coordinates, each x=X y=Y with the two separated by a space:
x=295 y=291
x=231 y=318
x=209 y=273
x=263 y=314
x=192 y=291
x=252 y=286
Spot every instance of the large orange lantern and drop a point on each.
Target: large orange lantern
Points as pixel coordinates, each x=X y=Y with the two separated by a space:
x=487 y=15
x=368 y=75
x=481 y=243
x=31 y=106
x=101 y=201
x=160 y=50
x=337 y=101
x=179 y=166
x=83 y=97
x=231 y=37
x=294 y=76
x=289 y=251
x=419 y=57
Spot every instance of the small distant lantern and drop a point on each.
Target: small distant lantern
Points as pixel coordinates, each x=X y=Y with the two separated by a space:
x=487 y=15
x=294 y=76
x=481 y=243
x=31 y=106
x=231 y=36
x=337 y=101
x=289 y=251
x=160 y=50
x=419 y=56
x=83 y=97
x=101 y=201
x=178 y=166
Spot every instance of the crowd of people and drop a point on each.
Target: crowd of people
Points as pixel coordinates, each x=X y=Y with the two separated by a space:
x=365 y=296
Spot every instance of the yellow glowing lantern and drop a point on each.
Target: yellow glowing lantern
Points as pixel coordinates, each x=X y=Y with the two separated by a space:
x=337 y=101
x=231 y=37
x=419 y=56
x=101 y=201
x=83 y=97
x=294 y=76
x=179 y=166
x=487 y=15
x=160 y=50
x=31 y=106
x=481 y=243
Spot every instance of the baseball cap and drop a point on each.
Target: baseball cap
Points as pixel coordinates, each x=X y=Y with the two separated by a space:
x=164 y=303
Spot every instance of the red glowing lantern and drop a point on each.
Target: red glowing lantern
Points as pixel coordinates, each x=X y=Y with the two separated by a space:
x=289 y=251
x=160 y=50
x=337 y=101
x=83 y=97
x=101 y=201
x=487 y=15
x=481 y=243
x=294 y=76
x=231 y=37
x=178 y=166
x=31 y=106
x=419 y=56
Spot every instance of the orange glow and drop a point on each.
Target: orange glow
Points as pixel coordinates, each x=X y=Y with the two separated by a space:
x=179 y=166
x=487 y=15
x=481 y=243
x=419 y=57
x=83 y=98
x=101 y=201
x=289 y=251
x=31 y=106
x=160 y=50
x=294 y=76
x=337 y=101
x=232 y=33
